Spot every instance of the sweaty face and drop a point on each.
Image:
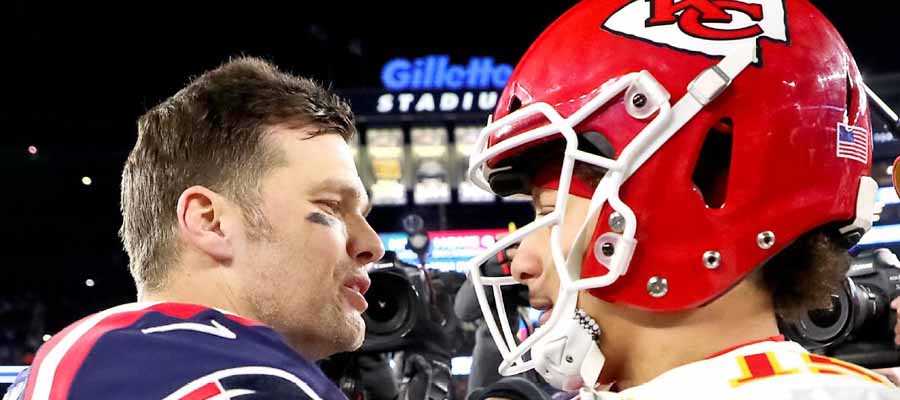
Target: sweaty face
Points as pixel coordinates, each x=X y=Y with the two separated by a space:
x=307 y=279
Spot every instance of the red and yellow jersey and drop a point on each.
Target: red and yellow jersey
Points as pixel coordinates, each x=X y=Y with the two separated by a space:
x=769 y=370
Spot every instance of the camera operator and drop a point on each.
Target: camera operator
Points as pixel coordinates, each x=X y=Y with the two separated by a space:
x=894 y=373
x=895 y=305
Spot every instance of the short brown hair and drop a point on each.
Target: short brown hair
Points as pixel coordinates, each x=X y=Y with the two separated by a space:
x=211 y=134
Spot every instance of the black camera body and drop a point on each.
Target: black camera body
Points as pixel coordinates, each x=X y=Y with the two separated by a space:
x=404 y=320
x=859 y=327
x=399 y=305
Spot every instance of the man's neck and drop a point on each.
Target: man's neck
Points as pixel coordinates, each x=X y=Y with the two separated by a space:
x=655 y=346
x=164 y=296
x=206 y=287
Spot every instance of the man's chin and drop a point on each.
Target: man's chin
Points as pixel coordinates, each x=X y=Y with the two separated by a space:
x=358 y=329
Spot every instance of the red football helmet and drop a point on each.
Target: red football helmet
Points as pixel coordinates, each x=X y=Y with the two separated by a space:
x=767 y=137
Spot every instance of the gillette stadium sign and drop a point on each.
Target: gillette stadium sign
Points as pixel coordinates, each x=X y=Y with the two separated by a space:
x=435 y=84
x=436 y=72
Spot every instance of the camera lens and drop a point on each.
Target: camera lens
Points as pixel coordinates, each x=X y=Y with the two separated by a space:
x=868 y=306
x=826 y=317
x=851 y=309
x=822 y=327
x=390 y=305
x=383 y=309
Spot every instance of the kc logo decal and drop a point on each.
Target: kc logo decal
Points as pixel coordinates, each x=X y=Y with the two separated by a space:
x=711 y=27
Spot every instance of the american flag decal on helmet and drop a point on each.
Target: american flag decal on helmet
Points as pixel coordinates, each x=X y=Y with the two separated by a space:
x=852 y=143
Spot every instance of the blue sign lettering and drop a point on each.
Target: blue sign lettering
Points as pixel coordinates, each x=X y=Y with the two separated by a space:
x=395 y=74
x=436 y=72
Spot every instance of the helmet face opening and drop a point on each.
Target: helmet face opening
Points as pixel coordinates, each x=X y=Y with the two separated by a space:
x=519 y=174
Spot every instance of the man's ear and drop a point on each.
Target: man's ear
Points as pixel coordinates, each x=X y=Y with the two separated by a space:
x=200 y=213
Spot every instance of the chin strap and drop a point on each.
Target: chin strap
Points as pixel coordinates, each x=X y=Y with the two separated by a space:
x=569 y=357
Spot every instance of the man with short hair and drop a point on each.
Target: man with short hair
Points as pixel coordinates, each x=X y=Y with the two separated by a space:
x=696 y=168
x=245 y=221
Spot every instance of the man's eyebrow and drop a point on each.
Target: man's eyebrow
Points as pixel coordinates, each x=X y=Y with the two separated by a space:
x=345 y=188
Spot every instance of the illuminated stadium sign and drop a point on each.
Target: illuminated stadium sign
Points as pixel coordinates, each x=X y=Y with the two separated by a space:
x=434 y=72
x=432 y=84
x=436 y=102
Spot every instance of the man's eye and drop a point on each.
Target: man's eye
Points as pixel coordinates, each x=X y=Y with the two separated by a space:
x=544 y=211
x=330 y=206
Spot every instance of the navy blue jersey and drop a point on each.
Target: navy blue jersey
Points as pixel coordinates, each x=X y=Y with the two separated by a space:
x=170 y=351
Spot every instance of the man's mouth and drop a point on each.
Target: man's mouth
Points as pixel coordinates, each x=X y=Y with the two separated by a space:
x=359 y=283
x=546 y=308
x=354 y=290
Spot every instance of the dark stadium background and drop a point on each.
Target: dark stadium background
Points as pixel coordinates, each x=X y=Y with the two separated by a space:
x=76 y=76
